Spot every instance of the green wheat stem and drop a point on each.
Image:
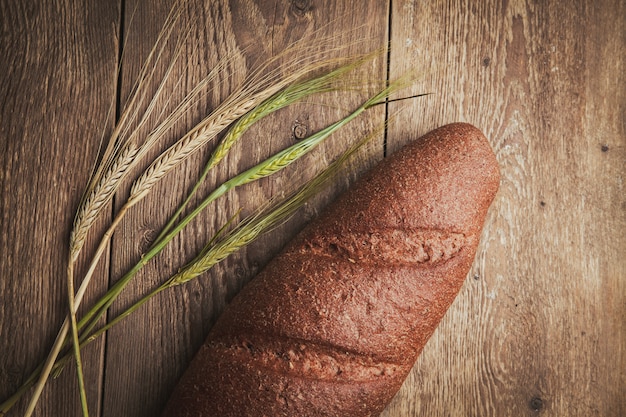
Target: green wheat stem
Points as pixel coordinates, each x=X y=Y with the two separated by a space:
x=76 y=342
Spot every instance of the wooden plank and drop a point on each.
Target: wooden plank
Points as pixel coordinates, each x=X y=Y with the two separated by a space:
x=539 y=326
x=57 y=83
x=150 y=350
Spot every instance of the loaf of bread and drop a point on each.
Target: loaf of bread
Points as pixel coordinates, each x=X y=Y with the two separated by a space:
x=333 y=324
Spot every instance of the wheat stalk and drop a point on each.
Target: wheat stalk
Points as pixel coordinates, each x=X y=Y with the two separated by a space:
x=250 y=95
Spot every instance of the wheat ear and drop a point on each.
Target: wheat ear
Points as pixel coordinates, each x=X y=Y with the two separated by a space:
x=99 y=196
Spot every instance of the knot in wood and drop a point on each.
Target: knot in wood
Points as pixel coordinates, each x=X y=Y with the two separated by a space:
x=241 y=272
x=536 y=404
x=301 y=7
x=299 y=130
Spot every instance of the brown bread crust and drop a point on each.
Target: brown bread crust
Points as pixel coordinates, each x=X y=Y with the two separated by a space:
x=333 y=325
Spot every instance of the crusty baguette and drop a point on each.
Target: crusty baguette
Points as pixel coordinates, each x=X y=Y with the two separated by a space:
x=333 y=324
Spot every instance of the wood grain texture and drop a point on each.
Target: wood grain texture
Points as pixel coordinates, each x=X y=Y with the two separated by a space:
x=540 y=325
x=58 y=62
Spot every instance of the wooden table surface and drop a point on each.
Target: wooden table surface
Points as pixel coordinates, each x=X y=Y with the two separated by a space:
x=539 y=327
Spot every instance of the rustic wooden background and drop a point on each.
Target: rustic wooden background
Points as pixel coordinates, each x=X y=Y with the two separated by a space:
x=540 y=325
